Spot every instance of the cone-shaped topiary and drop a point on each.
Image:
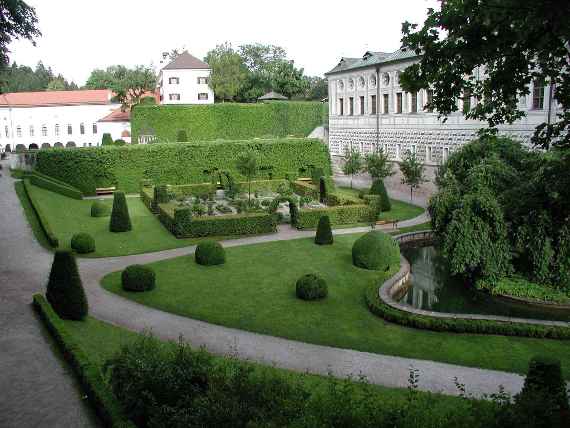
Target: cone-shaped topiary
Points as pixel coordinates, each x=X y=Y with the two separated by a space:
x=324 y=234
x=107 y=140
x=64 y=289
x=83 y=243
x=138 y=278
x=100 y=209
x=376 y=251
x=379 y=189
x=210 y=253
x=311 y=287
x=120 y=220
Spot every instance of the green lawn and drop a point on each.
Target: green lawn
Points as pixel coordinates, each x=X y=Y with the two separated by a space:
x=69 y=216
x=254 y=291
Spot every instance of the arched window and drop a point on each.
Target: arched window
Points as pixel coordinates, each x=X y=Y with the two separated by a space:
x=44 y=131
x=82 y=128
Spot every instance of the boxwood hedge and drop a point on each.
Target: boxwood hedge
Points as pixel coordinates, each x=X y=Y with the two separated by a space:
x=228 y=121
x=53 y=185
x=346 y=214
x=44 y=223
x=180 y=163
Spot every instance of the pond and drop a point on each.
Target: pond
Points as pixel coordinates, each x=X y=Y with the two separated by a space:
x=433 y=288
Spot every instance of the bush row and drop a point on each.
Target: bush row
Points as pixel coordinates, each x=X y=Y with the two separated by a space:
x=227 y=121
x=89 y=374
x=346 y=214
x=53 y=185
x=184 y=163
x=183 y=225
x=50 y=234
x=458 y=325
x=147 y=198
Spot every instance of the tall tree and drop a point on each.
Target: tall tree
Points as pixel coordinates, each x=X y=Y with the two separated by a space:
x=21 y=78
x=317 y=88
x=493 y=50
x=17 y=20
x=412 y=172
x=286 y=79
x=104 y=79
x=228 y=71
x=352 y=163
x=378 y=165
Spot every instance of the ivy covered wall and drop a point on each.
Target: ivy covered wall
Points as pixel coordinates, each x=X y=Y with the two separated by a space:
x=228 y=120
x=179 y=163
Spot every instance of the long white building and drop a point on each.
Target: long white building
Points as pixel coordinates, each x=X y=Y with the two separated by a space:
x=368 y=109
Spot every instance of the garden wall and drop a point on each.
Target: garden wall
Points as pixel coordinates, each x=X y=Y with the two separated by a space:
x=184 y=163
x=228 y=120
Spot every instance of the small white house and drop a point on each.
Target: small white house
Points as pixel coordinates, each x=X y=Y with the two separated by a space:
x=185 y=81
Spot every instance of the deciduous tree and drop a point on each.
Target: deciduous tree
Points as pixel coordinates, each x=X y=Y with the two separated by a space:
x=412 y=172
x=378 y=165
x=247 y=166
x=229 y=72
x=352 y=163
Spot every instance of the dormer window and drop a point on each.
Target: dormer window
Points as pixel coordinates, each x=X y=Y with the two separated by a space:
x=173 y=80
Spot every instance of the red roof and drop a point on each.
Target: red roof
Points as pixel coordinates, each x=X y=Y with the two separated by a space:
x=55 y=98
x=117 y=116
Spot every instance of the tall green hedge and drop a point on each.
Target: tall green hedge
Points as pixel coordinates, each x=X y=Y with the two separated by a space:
x=346 y=214
x=180 y=163
x=228 y=121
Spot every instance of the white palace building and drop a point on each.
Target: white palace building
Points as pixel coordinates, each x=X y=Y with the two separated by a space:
x=369 y=110
x=39 y=120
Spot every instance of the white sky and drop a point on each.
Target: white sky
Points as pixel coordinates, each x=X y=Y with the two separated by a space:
x=80 y=35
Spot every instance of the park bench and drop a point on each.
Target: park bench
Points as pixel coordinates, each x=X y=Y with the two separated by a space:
x=105 y=190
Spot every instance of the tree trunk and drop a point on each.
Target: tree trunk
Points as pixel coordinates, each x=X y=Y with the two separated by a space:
x=351 y=181
x=411 y=193
x=249 y=192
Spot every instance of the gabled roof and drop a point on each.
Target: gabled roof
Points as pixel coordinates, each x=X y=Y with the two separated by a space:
x=371 y=58
x=117 y=116
x=56 y=98
x=273 y=96
x=185 y=61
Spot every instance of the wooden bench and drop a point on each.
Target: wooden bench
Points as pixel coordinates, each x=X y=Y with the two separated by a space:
x=105 y=190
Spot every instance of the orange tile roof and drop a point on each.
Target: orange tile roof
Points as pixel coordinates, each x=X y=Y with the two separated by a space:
x=56 y=98
x=117 y=116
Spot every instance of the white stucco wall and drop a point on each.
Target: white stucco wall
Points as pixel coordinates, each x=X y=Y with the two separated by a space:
x=12 y=118
x=116 y=130
x=188 y=86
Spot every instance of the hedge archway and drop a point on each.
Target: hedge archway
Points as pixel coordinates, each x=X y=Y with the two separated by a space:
x=20 y=148
x=293 y=209
x=46 y=146
x=58 y=145
x=33 y=146
x=70 y=144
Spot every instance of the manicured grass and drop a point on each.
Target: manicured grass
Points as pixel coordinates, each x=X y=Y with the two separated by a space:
x=518 y=286
x=68 y=216
x=255 y=291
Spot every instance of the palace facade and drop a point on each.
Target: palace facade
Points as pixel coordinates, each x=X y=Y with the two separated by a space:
x=369 y=110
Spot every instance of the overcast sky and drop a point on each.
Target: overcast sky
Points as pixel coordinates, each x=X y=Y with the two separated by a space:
x=80 y=35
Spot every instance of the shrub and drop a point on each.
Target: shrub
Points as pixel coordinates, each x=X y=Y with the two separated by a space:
x=106 y=140
x=209 y=253
x=181 y=136
x=138 y=278
x=324 y=234
x=375 y=251
x=120 y=142
x=64 y=289
x=120 y=220
x=83 y=243
x=161 y=194
x=379 y=189
x=316 y=174
x=350 y=214
x=311 y=287
x=100 y=209
x=43 y=220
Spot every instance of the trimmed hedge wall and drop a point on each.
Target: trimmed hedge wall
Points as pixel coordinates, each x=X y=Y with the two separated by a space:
x=458 y=325
x=181 y=223
x=228 y=121
x=181 y=163
x=53 y=185
x=50 y=235
x=97 y=390
x=346 y=214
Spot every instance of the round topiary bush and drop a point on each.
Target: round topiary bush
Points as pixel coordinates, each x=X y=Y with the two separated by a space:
x=375 y=251
x=210 y=253
x=324 y=234
x=83 y=243
x=100 y=209
x=311 y=287
x=64 y=289
x=138 y=278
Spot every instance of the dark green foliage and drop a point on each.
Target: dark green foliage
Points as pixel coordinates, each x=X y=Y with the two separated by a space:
x=349 y=214
x=119 y=142
x=316 y=174
x=83 y=243
x=64 y=289
x=209 y=253
x=44 y=223
x=161 y=194
x=311 y=287
x=184 y=163
x=88 y=373
x=181 y=136
x=120 y=219
x=229 y=120
x=459 y=325
x=376 y=251
x=100 y=209
x=322 y=189
x=107 y=140
x=138 y=278
x=148 y=100
x=375 y=206
x=49 y=183
x=378 y=188
x=324 y=234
